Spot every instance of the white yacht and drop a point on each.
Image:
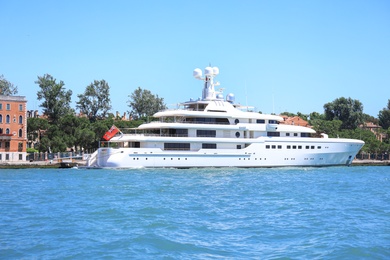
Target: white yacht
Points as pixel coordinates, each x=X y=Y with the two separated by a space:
x=213 y=131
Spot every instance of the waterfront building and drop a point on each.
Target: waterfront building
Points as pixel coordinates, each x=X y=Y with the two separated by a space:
x=13 y=128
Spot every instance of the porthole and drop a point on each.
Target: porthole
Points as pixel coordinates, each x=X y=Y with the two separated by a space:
x=237 y=134
x=236 y=121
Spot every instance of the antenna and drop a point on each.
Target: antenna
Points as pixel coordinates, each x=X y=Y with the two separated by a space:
x=246 y=97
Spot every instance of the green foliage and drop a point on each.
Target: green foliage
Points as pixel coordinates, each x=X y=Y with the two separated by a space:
x=287 y=114
x=303 y=116
x=331 y=128
x=56 y=100
x=349 y=111
x=31 y=150
x=316 y=115
x=384 y=116
x=7 y=88
x=95 y=102
x=143 y=103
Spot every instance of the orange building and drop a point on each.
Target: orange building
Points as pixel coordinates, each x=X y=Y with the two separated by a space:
x=13 y=128
x=295 y=120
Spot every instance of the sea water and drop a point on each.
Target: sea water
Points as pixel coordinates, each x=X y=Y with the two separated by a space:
x=226 y=213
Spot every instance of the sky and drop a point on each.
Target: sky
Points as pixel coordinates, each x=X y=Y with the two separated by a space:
x=273 y=55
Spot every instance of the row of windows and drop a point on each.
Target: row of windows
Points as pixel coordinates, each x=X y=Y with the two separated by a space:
x=206 y=133
x=7 y=157
x=272 y=134
x=7 y=145
x=8 y=119
x=8 y=107
x=292 y=147
x=7 y=131
x=186 y=146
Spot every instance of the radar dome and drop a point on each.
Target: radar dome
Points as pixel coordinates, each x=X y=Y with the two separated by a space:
x=197 y=73
x=208 y=71
x=215 y=71
x=230 y=98
x=219 y=96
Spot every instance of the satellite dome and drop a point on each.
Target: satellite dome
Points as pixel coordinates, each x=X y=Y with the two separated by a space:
x=208 y=71
x=230 y=98
x=219 y=96
x=197 y=73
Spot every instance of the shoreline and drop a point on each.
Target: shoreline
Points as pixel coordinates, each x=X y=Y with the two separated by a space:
x=51 y=165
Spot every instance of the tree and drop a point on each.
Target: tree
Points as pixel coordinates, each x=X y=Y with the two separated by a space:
x=35 y=126
x=7 y=88
x=384 y=116
x=57 y=100
x=95 y=102
x=330 y=128
x=349 y=111
x=143 y=103
x=316 y=115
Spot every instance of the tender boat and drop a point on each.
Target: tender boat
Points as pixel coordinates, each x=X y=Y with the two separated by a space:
x=214 y=131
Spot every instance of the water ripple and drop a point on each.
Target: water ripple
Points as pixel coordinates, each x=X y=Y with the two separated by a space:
x=313 y=213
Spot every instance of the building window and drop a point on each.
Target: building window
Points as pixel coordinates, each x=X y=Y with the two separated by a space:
x=8 y=106
x=1 y=130
x=7 y=145
x=20 y=107
x=1 y=118
x=1 y=106
x=20 y=157
x=7 y=131
x=7 y=157
x=20 y=147
x=7 y=119
x=20 y=133
x=1 y=144
x=20 y=120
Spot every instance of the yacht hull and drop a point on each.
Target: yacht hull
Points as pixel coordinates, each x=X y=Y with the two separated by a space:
x=318 y=153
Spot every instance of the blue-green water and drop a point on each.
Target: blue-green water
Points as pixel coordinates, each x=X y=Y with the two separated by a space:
x=297 y=213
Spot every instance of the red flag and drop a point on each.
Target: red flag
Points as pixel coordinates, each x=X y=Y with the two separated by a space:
x=110 y=133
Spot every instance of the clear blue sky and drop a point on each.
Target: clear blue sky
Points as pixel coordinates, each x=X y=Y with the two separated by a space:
x=277 y=56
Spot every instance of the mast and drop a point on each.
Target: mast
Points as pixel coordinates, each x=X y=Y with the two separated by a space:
x=210 y=73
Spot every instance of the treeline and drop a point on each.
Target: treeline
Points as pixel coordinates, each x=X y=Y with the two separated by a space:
x=61 y=129
x=344 y=118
